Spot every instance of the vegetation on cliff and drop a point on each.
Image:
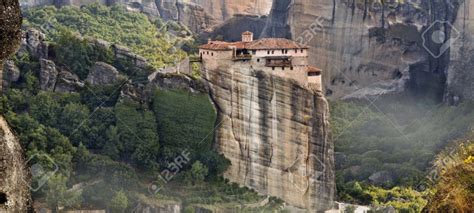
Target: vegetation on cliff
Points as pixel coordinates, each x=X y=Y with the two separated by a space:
x=112 y=24
x=108 y=147
x=453 y=178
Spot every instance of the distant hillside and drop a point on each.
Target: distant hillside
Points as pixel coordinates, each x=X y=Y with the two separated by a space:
x=151 y=40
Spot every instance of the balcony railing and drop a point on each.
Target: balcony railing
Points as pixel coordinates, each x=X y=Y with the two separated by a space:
x=242 y=57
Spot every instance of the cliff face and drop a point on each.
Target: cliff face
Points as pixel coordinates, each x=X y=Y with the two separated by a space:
x=276 y=135
x=14 y=191
x=460 y=79
x=365 y=49
x=225 y=9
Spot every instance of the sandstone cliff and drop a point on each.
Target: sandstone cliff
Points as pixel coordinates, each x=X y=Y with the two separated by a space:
x=276 y=135
x=365 y=49
x=460 y=80
x=14 y=191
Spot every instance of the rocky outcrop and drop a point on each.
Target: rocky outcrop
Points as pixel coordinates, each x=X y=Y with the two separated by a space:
x=11 y=73
x=14 y=191
x=101 y=74
x=365 y=48
x=276 y=135
x=34 y=44
x=47 y=75
x=67 y=82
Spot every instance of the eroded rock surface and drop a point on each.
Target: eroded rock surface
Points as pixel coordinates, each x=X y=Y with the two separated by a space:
x=367 y=49
x=276 y=135
x=14 y=191
x=48 y=75
x=102 y=73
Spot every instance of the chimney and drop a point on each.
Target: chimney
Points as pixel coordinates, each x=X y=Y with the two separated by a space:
x=247 y=36
x=209 y=40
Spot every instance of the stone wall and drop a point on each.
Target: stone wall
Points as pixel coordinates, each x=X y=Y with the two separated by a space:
x=276 y=135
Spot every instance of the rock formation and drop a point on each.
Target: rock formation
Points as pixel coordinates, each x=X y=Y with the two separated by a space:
x=366 y=49
x=102 y=73
x=276 y=135
x=67 y=82
x=14 y=192
x=47 y=75
x=11 y=73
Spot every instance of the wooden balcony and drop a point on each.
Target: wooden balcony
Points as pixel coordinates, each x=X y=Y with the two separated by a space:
x=278 y=63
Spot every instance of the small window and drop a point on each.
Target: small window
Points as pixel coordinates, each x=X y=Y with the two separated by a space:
x=283 y=51
x=268 y=52
x=208 y=52
x=282 y=68
x=258 y=60
x=314 y=73
x=254 y=52
x=296 y=50
x=212 y=54
x=273 y=68
x=291 y=68
x=273 y=52
x=302 y=50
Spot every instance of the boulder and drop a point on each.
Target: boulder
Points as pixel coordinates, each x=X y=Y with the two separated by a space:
x=68 y=82
x=11 y=73
x=33 y=43
x=102 y=73
x=48 y=75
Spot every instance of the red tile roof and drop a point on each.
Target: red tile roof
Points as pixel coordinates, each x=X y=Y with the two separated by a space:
x=261 y=44
x=314 y=69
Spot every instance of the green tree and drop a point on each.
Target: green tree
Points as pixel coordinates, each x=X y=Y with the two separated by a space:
x=197 y=173
x=119 y=202
x=58 y=195
x=45 y=109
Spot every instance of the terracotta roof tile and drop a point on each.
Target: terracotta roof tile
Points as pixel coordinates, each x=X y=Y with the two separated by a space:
x=261 y=44
x=314 y=69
